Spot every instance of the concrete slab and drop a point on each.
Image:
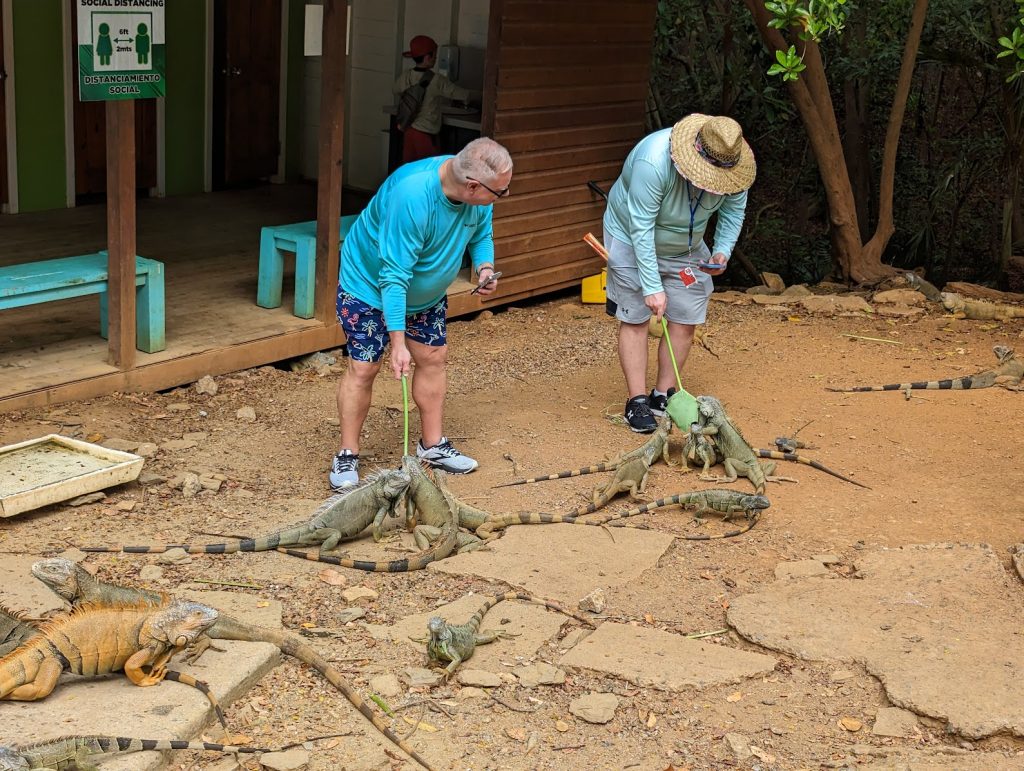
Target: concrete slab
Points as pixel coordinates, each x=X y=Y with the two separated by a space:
x=533 y=623
x=113 y=706
x=562 y=562
x=936 y=623
x=21 y=591
x=656 y=659
x=962 y=760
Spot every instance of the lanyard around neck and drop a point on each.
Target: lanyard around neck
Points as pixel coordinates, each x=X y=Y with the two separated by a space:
x=693 y=205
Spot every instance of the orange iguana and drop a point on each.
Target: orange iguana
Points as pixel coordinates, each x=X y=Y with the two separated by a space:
x=95 y=640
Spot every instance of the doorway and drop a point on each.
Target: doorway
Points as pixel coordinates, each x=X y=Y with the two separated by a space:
x=246 y=91
x=90 y=138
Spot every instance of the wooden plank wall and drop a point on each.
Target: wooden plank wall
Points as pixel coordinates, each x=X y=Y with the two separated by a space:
x=564 y=91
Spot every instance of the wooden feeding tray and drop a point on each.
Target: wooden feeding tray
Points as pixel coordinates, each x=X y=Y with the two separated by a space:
x=56 y=468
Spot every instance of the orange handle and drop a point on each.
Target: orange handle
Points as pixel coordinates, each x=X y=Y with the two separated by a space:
x=596 y=245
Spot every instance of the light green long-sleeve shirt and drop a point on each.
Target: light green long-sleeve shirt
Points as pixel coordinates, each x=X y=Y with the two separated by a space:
x=429 y=119
x=655 y=210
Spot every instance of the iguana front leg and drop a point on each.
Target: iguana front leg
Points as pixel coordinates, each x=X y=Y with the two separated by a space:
x=425 y=535
x=482 y=638
x=156 y=657
x=198 y=648
x=769 y=473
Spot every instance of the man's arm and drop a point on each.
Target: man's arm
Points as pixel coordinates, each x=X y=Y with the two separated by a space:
x=730 y=221
x=400 y=243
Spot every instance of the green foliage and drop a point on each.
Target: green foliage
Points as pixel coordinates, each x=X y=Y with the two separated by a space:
x=810 y=20
x=1013 y=46
x=788 y=64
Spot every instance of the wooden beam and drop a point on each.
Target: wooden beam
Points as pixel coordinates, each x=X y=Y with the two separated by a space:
x=491 y=55
x=332 y=121
x=121 y=232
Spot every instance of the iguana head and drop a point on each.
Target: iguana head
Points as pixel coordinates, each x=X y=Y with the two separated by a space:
x=755 y=503
x=709 y=407
x=438 y=629
x=61 y=575
x=1002 y=352
x=11 y=760
x=395 y=481
x=181 y=622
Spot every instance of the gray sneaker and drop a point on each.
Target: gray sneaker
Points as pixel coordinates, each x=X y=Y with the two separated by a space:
x=444 y=456
x=344 y=470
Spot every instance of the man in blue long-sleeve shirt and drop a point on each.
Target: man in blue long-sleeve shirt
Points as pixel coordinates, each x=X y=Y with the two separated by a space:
x=397 y=263
x=658 y=264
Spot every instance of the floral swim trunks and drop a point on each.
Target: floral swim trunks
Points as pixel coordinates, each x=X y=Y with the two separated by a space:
x=368 y=335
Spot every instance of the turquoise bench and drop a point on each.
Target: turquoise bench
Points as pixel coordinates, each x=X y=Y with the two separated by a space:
x=39 y=282
x=300 y=238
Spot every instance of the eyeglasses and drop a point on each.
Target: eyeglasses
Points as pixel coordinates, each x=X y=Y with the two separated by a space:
x=496 y=193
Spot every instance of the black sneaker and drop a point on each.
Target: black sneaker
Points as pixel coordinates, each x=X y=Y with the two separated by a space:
x=659 y=402
x=639 y=417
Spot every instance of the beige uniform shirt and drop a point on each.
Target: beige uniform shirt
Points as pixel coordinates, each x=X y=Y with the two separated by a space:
x=429 y=119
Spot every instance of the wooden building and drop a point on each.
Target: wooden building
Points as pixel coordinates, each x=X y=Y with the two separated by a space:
x=563 y=86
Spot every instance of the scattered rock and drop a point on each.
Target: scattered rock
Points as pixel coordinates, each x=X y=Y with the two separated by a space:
x=82 y=500
x=209 y=482
x=206 y=385
x=190 y=485
x=594 y=602
x=357 y=593
x=289 y=760
x=896 y=722
x=195 y=436
x=899 y=297
x=800 y=569
x=147 y=479
x=732 y=297
x=147 y=450
x=479 y=678
x=573 y=638
x=561 y=726
x=841 y=675
x=174 y=557
x=540 y=673
x=770 y=299
x=797 y=290
x=484 y=315
x=756 y=291
x=386 y=685
x=827 y=559
x=123 y=445
x=469 y=692
x=773 y=281
x=418 y=677
x=151 y=572
x=319 y=362
x=835 y=303
x=595 y=707
x=125 y=505
x=179 y=407
x=350 y=614
x=1017 y=555
x=850 y=724
x=246 y=415
x=739 y=745
x=175 y=445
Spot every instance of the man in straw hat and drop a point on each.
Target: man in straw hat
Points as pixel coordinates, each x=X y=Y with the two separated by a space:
x=671 y=184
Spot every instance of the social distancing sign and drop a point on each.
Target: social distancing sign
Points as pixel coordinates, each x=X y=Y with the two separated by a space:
x=121 y=49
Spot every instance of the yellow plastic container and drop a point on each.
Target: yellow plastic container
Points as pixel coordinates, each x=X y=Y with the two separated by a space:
x=593 y=288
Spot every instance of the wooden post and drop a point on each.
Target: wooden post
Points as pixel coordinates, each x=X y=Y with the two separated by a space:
x=121 y=232
x=332 y=121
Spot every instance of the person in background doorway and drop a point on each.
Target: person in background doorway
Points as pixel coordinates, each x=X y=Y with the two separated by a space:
x=420 y=140
x=658 y=264
x=397 y=262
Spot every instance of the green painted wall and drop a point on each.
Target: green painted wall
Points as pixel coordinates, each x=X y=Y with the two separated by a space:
x=186 y=95
x=39 y=104
x=293 y=115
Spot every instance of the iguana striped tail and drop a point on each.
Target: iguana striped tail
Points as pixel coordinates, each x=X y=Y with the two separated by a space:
x=265 y=543
x=73 y=751
x=409 y=564
x=953 y=384
x=793 y=457
x=610 y=466
x=204 y=688
x=478 y=617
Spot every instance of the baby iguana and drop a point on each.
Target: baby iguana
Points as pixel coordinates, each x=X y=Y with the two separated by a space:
x=73 y=752
x=446 y=537
x=340 y=516
x=727 y=502
x=15 y=630
x=1008 y=374
x=700 y=450
x=454 y=643
x=76 y=586
x=94 y=640
x=738 y=457
x=647 y=454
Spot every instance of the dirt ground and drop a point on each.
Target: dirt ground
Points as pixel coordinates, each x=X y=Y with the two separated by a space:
x=532 y=390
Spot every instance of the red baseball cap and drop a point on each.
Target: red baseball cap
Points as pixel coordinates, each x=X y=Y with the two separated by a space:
x=421 y=45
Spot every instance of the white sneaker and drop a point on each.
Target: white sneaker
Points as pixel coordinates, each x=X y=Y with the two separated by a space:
x=444 y=456
x=344 y=470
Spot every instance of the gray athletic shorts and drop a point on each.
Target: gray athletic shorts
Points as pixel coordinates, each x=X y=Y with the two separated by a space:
x=687 y=302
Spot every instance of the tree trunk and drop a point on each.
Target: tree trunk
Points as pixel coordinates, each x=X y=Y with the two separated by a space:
x=855 y=136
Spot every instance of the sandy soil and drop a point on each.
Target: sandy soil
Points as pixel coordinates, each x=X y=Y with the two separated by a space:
x=532 y=390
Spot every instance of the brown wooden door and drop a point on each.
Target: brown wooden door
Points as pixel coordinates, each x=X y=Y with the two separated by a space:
x=247 y=69
x=564 y=90
x=3 y=118
x=90 y=125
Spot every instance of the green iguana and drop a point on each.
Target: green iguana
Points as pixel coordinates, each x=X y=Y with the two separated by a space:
x=454 y=643
x=700 y=450
x=340 y=516
x=445 y=537
x=727 y=502
x=1008 y=373
x=981 y=310
x=94 y=640
x=648 y=453
x=738 y=457
x=15 y=630
x=73 y=752
x=76 y=586
x=426 y=497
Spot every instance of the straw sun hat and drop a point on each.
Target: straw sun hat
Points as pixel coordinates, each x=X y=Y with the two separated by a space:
x=711 y=152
